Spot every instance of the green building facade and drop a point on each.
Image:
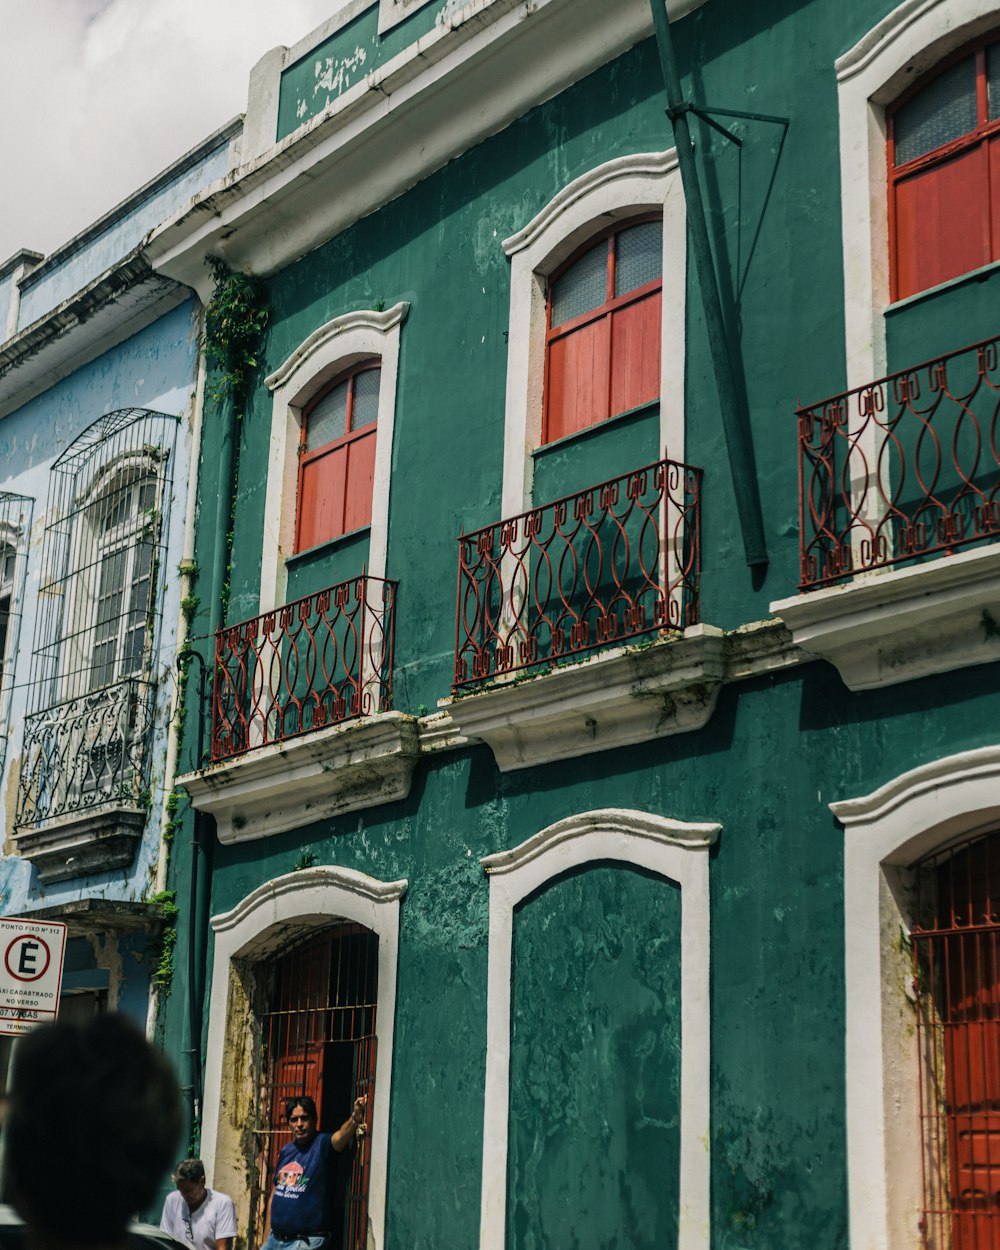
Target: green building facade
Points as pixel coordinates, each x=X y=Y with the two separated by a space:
x=638 y=862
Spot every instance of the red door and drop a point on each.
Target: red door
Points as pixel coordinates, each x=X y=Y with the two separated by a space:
x=957 y=949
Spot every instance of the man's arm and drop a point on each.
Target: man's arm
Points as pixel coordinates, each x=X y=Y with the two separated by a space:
x=225 y=1223
x=341 y=1139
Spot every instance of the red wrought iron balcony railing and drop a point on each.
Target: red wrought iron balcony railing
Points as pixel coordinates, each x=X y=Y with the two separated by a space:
x=611 y=563
x=315 y=662
x=902 y=468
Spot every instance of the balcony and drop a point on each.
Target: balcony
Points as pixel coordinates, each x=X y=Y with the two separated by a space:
x=559 y=614
x=301 y=720
x=899 y=500
x=81 y=801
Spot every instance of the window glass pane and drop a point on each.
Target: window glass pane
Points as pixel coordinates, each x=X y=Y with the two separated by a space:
x=8 y=558
x=365 y=409
x=993 y=78
x=944 y=110
x=638 y=256
x=328 y=420
x=583 y=287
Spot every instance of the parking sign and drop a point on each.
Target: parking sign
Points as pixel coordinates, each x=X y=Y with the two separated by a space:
x=31 y=963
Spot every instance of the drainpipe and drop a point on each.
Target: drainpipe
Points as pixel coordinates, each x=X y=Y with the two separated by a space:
x=735 y=417
x=201 y=851
x=183 y=629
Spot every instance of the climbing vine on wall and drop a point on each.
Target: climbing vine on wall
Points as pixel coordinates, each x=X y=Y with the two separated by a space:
x=235 y=321
x=163 y=972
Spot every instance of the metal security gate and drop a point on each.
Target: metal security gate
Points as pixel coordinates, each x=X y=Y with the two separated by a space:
x=956 y=947
x=317 y=1038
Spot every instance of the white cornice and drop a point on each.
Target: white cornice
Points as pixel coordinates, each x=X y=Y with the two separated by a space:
x=612 y=699
x=916 y=786
x=112 y=308
x=899 y=624
x=378 y=322
x=285 y=785
x=348 y=879
x=635 y=824
x=466 y=79
x=639 y=165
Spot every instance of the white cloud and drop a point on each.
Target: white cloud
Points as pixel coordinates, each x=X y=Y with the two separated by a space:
x=97 y=96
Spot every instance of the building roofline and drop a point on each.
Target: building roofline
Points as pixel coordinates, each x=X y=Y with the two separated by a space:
x=103 y=223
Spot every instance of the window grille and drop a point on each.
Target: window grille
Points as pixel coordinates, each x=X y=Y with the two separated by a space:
x=15 y=531
x=316 y=1020
x=956 y=951
x=93 y=663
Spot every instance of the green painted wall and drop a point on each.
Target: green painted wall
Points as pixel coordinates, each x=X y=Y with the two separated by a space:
x=594 y=1155
x=345 y=58
x=777 y=750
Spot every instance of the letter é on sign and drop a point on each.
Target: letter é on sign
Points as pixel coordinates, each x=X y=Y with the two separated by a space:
x=28 y=958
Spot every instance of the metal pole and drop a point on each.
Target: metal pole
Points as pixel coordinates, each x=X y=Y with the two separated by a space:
x=735 y=418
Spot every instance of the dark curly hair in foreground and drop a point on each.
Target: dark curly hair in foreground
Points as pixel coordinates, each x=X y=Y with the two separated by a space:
x=92 y=1126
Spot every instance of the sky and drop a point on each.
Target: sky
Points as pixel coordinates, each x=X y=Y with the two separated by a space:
x=98 y=96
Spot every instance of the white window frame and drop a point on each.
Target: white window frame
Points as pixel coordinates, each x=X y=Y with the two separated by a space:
x=673 y=849
x=886 y=832
x=870 y=77
x=122 y=538
x=274 y=914
x=625 y=187
x=330 y=350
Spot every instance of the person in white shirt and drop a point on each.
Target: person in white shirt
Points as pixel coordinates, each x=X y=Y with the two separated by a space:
x=199 y=1217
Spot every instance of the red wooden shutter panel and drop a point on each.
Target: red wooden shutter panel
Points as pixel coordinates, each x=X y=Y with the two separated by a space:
x=942 y=226
x=359 y=482
x=321 y=498
x=579 y=363
x=635 y=354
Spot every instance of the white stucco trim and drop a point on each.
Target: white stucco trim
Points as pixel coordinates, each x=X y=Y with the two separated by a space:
x=896 y=825
x=620 y=188
x=333 y=347
x=259 y=924
x=870 y=76
x=673 y=849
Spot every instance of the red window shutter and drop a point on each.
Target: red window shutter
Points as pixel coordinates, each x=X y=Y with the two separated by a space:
x=337 y=477
x=603 y=355
x=942 y=222
x=359 y=481
x=577 y=382
x=635 y=353
x=321 y=498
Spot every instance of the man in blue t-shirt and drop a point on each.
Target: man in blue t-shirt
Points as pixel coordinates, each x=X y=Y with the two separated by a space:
x=301 y=1215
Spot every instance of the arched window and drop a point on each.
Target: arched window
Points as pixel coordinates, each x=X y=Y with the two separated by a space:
x=337 y=457
x=944 y=172
x=603 y=329
x=956 y=951
x=93 y=673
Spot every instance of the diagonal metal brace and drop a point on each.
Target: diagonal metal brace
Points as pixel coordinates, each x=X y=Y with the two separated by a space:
x=735 y=417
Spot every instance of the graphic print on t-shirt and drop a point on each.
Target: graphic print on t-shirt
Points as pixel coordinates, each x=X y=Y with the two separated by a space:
x=291 y=1179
